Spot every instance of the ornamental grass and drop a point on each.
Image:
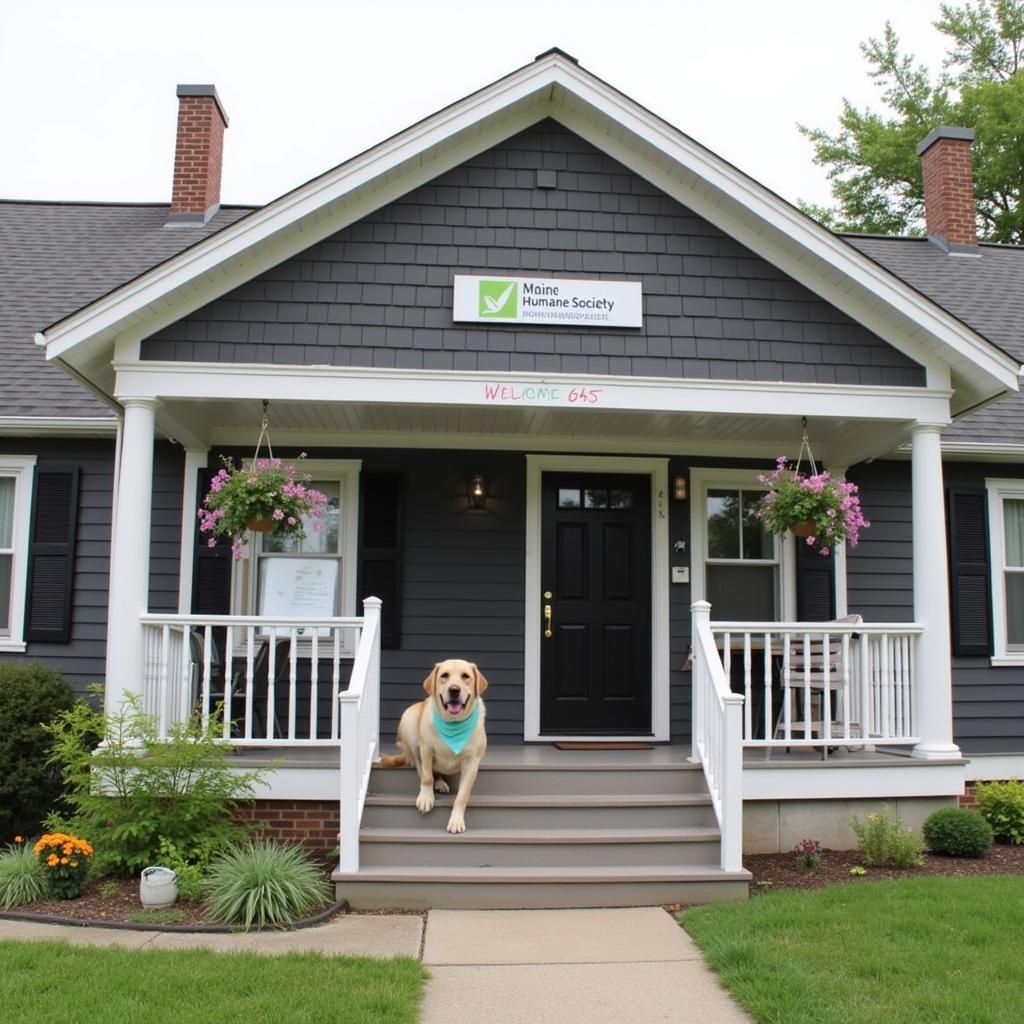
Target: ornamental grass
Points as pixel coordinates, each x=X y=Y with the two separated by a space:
x=22 y=879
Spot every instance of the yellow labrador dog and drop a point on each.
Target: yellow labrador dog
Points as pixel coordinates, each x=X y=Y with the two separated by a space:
x=444 y=735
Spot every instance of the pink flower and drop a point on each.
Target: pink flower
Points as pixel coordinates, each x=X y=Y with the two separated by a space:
x=212 y=542
x=292 y=520
x=278 y=514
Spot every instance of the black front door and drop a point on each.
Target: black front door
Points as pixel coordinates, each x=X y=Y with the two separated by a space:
x=595 y=661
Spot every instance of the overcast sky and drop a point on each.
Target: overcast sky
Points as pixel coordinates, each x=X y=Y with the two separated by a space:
x=88 y=109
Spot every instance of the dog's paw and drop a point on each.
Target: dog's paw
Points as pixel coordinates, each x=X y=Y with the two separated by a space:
x=456 y=823
x=440 y=786
x=425 y=800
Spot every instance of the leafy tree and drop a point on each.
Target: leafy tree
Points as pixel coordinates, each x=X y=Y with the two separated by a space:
x=872 y=163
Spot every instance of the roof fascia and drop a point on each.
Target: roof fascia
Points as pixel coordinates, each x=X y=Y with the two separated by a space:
x=554 y=87
x=57 y=426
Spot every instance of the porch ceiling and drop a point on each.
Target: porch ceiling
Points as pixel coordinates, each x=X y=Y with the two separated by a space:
x=348 y=424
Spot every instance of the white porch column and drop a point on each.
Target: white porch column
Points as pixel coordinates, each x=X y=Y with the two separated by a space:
x=129 y=578
x=933 y=682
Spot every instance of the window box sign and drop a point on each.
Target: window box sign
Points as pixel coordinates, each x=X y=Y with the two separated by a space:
x=546 y=300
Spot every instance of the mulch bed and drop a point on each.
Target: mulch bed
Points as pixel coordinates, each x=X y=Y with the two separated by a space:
x=778 y=868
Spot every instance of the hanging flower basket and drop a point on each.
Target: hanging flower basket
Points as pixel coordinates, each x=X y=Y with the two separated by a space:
x=259 y=525
x=824 y=511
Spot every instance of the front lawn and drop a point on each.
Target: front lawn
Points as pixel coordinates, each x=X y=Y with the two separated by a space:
x=916 y=951
x=56 y=983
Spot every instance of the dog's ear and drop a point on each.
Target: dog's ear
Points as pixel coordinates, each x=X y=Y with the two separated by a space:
x=428 y=683
x=481 y=680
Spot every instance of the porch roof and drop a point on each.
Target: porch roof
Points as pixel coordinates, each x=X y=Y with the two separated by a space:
x=552 y=86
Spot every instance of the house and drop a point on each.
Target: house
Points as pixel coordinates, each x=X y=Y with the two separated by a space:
x=537 y=350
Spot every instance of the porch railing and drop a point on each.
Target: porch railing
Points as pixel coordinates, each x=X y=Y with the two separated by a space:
x=259 y=681
x=821 y=684
x=717 y=736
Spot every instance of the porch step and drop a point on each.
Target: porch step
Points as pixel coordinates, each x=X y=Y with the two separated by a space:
x=580 y=810
x=425 y=888
x=546 y=828
x=542 y=848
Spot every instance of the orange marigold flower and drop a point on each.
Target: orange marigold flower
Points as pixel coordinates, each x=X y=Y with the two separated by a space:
x=65 y=860
x=74 y=863
x=19 y=839
x=53 y=860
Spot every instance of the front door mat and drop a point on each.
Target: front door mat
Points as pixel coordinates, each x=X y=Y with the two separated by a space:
x=604 y=745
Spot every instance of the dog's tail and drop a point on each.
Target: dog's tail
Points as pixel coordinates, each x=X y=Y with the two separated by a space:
x=392 y=760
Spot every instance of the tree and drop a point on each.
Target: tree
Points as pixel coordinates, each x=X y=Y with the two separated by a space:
x=873 y=167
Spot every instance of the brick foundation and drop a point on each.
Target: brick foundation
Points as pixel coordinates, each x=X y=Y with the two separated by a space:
x=314 y=824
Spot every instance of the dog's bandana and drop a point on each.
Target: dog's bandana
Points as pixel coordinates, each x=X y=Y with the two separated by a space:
x=456 y=734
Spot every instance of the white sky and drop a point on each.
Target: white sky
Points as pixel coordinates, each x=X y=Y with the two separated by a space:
x=88 y=103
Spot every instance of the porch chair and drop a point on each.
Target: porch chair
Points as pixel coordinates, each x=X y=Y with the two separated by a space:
x=814 y=665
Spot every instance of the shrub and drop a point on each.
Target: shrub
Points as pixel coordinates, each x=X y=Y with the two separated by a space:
x=30 y=696
x=136 y=789
x=807 y=855
x=21 y=876
x=884 y=840
x=957 y=832
x=189 y=876
x=264 y=883
x=65 y=860
x=1002 y=806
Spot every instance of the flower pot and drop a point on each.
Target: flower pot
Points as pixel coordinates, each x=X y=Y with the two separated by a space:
x=158 y=888
x=259 y=525
x=805 y=528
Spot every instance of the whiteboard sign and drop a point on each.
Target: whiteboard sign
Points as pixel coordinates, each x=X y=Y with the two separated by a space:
x=293 y=588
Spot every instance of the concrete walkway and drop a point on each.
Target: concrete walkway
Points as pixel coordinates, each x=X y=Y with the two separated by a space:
x=496 y=966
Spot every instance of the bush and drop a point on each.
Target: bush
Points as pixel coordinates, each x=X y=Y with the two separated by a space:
x=1002 y=806
x=264 y=883
x=30 y=696
x=957 y=832
x=884 y=840
x=21 y=876
x=135 y=789
x=189 y=876
x=64 y=859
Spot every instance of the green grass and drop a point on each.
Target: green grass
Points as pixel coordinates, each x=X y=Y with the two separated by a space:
x=56 y=983
x=916 y=951
x=169 y=916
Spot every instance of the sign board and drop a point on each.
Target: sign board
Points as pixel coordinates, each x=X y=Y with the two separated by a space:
x=547 y=300
x=295 y=588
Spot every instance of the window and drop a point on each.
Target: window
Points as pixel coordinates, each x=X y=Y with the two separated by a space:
x=1006 y=540
x=737 y=564
x=15 y=503
x=314 y=577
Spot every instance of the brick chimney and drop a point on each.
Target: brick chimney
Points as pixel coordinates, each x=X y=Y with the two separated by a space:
x=195 y=196
x=949 y=188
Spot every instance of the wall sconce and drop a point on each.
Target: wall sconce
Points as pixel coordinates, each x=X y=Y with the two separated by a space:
x=679 y=487
x=476 y=493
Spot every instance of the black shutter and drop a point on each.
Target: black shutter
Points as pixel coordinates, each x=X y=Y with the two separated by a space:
x=815 y=584
x=51 y=560
x=970 y=592
x=211 y=567
x=380 y=563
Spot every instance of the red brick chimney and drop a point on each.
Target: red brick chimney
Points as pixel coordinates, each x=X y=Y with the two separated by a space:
x=949 y=188
x=195 y=196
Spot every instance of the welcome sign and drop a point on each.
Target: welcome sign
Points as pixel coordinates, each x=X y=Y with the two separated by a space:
x=533 y=300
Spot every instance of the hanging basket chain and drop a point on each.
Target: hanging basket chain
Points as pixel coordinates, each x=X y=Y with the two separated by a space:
x=805 y=446
x=264 y=433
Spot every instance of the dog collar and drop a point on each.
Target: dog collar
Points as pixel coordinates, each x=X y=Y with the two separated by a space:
x=456 y=734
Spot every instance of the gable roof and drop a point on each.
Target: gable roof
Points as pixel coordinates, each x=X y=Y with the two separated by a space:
x=552 y=86
x=58 y=257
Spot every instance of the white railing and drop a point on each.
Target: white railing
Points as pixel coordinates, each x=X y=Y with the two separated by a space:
x=260 y=681
x=818 y=684
x=360 y=733
x=717 y=736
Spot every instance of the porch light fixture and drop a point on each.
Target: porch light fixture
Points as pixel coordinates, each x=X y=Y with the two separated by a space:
x=679 y=487
x=477 y=491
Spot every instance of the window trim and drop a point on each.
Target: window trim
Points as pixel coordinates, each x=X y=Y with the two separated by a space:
x=22 y=469
x=704 y=479
x=998 y=489
x=245 y=582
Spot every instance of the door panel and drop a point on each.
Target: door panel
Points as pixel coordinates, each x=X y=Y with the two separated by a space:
x=596 y=579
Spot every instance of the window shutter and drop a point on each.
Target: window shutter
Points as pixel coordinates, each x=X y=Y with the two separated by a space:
x=815 y=584
x=211 y=567
x=51 y=560
x=380 y=563
x=970 y=592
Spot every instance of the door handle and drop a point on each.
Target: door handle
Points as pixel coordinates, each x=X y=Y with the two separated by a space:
x=547 y=622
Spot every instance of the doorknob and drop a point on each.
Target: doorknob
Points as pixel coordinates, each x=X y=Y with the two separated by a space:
x=547 y=617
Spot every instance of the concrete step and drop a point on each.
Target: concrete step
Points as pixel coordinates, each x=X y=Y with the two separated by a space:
x=581 y=810
x=467 y=888
x=551 y=848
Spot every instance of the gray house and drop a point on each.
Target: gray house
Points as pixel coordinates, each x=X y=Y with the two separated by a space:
x=537 y=350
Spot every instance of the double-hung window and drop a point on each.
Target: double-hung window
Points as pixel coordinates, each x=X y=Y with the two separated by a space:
x=15 y=503
x=1006 y=541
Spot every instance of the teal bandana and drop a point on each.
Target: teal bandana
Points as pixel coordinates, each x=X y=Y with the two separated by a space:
x=456 y=734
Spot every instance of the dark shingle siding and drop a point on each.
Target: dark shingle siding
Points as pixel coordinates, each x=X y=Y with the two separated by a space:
x=379 y=292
